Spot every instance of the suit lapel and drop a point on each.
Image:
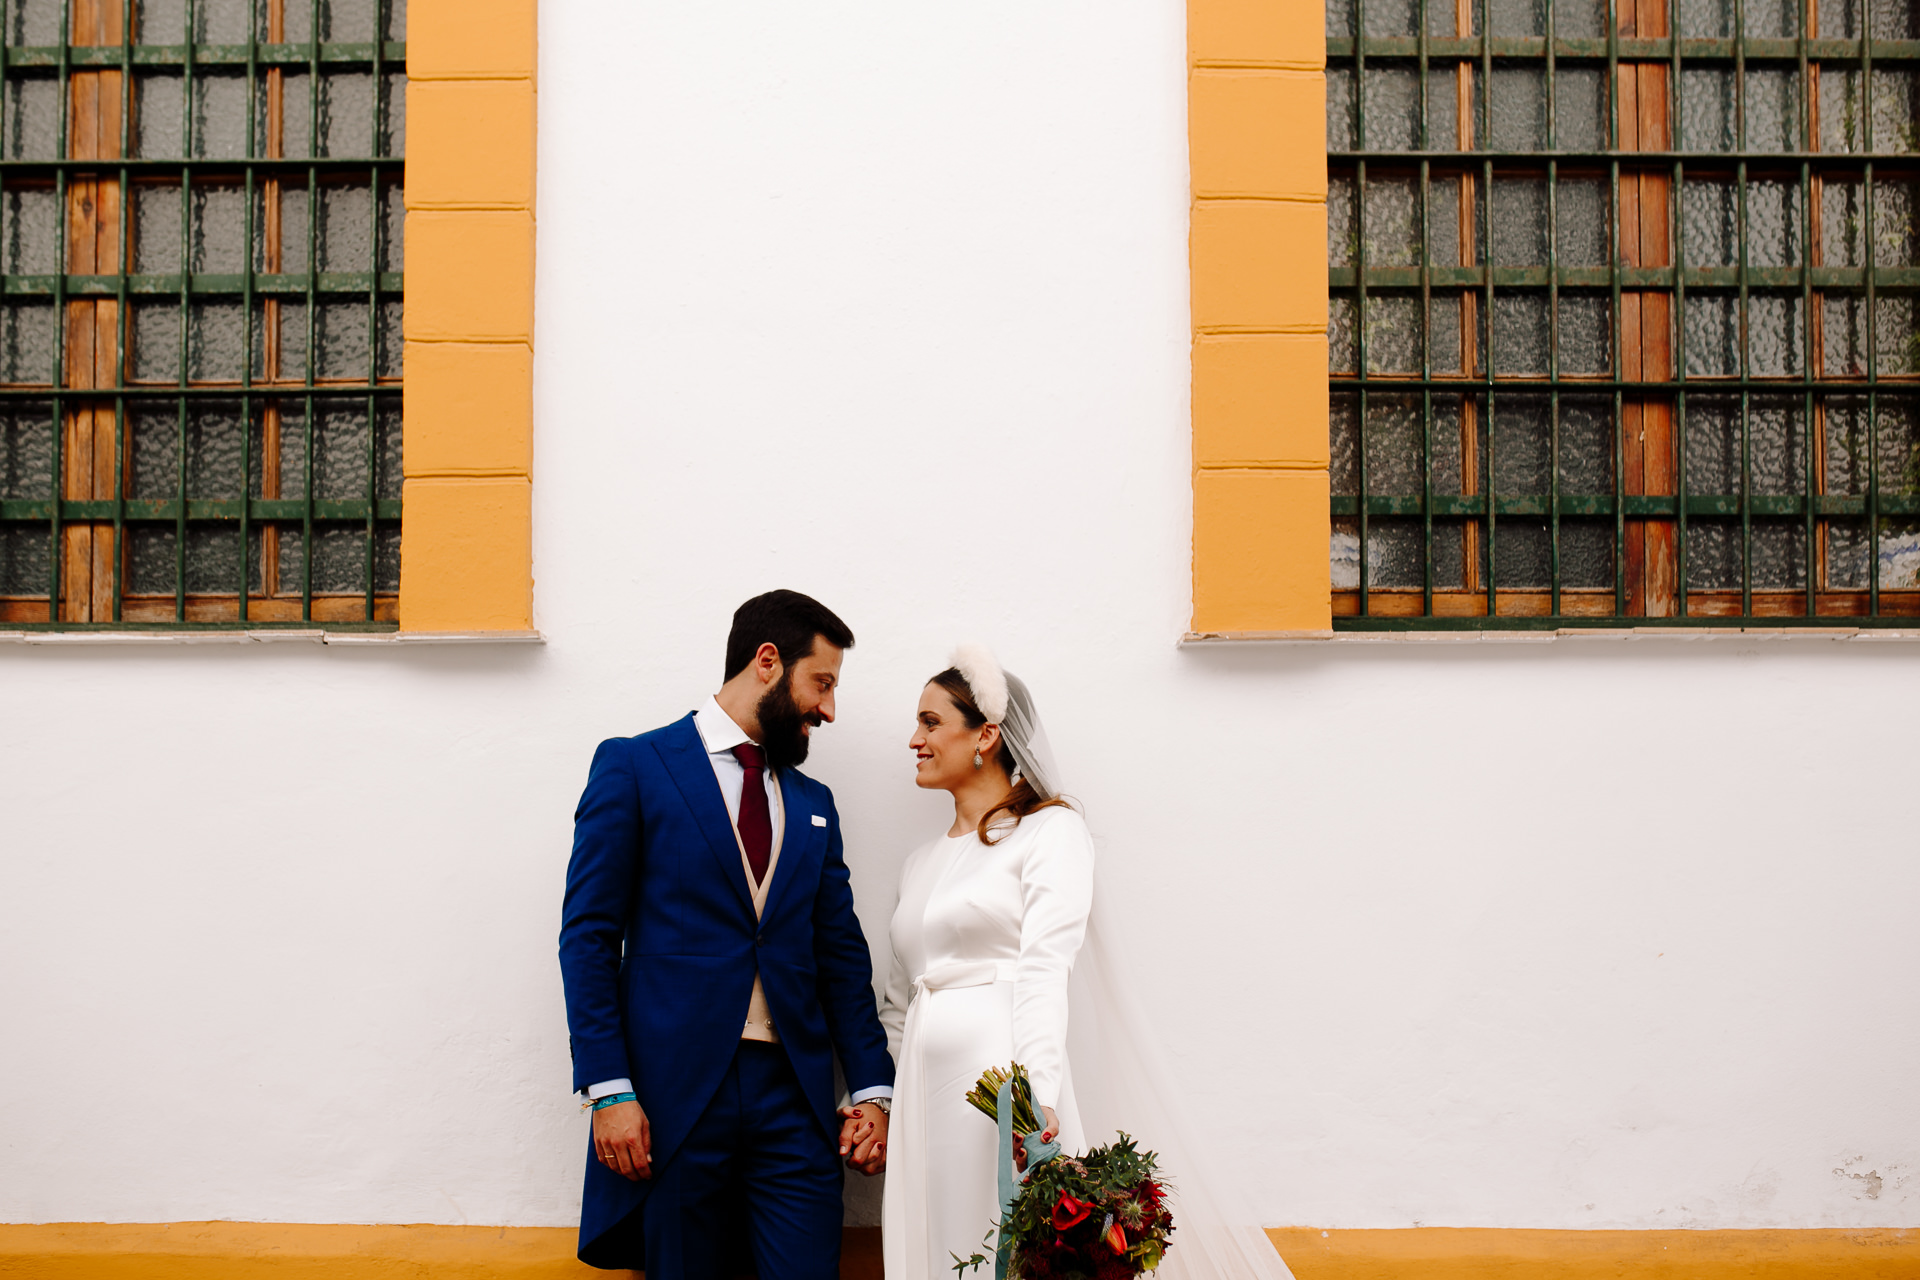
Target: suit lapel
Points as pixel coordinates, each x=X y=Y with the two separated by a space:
x=685 y=757
x=793 y=841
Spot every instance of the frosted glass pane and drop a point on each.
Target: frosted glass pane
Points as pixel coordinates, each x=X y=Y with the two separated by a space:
x=293 y=447
x=1898 y=436
x=1846 y=554
x=1521 y=444
x=1893 y=20
x=1523 y=553
x=1442 y=20
x=1443 y=221
x=26 y=341
x=219 y=228
x=1342 y=333
x=1340 y=133
x=155 y=338
x=396 y=19
x=1393 y=108
x=1391 y=18
x=1586 y=553
x=340 y=333
x=222 y=21
x=214 y=442
x=292 y=244
x=161 y=21
x=24 y=562
x=1393 y=333
x=297 y=112
x=388 y=451
x=1843 y=335
x=1343 y=442
x=1896 y=335
x=213 y=559
x=393 y=344
x=1843 y=220
x=1396 y=552
x=29 y=226
x=1712 y=333
x=1520 y=333
x=159 y=118
x=1772 y=19
x=1579 y=19
x=340 y=449
x=386 y=556
x=1343 y=554
x=1580 y=109
x=33 y=22
x=216 y=342
x=346 y=114
x=1776 y=334
x=1777 y=445
x=156 y=228
x=1713 y=445
x=1393 y=444
x=1586 y=445
x=339 y=558
x=393 y=116
x=289 y=323
x=393 y=239
x=1713 y=555
x=1706 y=19
x=151 y=560
x=1447 y=447
x=1443 y=107
x=31 y=126
x=1392 y=222
x=1844 y=429
x=1519 y=221
x=1586 y=333
x=1449 y=554
x=1339 y=18
x=1342 y=235
x=1519 y=108
x=1581 y=238
x=1707 y=109
x=1899 y=553
x=1773 y=109
x=1896 y=110
x=1710 y=230
x=1775 y=218
x=26 y=451
x=1839 y=19
x=350 y=20
x=1842 y=111
x=153 y=454
x=346 y=227
x=1779 y=555
x=220 y=115
x=1896 y=222
x=1446 y=317
x=1519 y=17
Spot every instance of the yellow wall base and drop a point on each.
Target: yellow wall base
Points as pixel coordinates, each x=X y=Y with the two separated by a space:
x=297 y=1251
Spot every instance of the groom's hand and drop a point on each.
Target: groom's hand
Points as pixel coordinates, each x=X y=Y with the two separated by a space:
x=863 y=1138
x=623 y=1140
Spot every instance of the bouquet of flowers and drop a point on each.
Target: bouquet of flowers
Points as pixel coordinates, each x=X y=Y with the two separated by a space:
x=1098 y=1216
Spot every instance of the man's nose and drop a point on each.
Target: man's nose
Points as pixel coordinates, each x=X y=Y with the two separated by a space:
x=825 y=709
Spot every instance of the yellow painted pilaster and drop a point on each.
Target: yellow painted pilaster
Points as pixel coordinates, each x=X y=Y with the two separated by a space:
x=1256 y=128
x=466 y=551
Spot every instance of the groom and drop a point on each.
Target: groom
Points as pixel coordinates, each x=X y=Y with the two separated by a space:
x=714 y=968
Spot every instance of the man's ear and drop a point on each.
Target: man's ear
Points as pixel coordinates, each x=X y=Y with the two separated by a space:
x=766 y=662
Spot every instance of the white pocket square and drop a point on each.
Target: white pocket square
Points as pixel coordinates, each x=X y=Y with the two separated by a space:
x=819 y=821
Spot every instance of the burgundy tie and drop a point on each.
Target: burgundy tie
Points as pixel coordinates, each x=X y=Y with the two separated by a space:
x=756 y=823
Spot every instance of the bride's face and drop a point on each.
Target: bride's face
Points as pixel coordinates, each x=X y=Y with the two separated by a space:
x=942 y=743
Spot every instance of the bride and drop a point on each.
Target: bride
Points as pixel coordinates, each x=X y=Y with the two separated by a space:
x=994 y=927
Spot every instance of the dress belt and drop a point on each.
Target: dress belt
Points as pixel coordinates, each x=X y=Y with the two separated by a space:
x=963 y=973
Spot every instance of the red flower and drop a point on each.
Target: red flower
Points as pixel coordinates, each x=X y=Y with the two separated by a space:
x=1069 y=1212
x=1116 y=1238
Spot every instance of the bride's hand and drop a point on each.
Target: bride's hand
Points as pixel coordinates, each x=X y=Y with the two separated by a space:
x=1049 y=1130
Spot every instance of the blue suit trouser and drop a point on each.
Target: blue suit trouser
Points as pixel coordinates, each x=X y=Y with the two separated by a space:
x=756 y=1152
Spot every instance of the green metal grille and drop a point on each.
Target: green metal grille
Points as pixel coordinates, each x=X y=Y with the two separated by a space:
x=201 y=211
x=1623 y=325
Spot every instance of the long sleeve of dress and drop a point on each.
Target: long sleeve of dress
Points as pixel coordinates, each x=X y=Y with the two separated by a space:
x=1056 y=891
x=893 y=1009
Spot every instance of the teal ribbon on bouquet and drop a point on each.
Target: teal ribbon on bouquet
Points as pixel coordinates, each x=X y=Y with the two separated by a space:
x=1038 y=1153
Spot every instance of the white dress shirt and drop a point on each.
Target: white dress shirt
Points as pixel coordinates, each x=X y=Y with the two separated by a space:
x=719 y=734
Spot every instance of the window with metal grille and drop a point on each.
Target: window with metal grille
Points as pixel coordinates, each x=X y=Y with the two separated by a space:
x=1622 y=323
x=200 y=333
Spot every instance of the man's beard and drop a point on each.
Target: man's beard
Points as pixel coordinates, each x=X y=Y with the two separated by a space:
x=782 y=726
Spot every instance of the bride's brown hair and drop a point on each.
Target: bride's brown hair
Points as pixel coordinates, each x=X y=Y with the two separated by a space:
x=1020 y=801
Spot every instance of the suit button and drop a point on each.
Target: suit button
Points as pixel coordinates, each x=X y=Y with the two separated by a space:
x=760 y=941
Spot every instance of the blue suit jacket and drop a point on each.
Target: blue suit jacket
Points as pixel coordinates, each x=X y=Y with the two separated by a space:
x=659 y=947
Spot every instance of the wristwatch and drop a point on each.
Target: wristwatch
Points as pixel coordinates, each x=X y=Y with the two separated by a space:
x=885 y=1105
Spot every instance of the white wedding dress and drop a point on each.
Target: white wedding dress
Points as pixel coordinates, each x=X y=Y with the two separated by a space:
x=984 y=940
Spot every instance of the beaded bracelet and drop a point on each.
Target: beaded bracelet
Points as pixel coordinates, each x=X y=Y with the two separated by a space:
x=613 y=1100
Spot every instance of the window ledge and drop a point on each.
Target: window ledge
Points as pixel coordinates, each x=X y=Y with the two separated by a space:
x=1869 y=635
x=271 y=637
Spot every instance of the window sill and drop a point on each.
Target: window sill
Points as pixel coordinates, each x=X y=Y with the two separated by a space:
x=1870 y=635
x=387 y=638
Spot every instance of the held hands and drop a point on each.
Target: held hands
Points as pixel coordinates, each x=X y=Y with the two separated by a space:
x=1050 y=1129
x=863 y=1138
x=623 y=1140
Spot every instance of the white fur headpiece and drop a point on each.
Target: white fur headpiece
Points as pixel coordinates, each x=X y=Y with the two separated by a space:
x=983 y=675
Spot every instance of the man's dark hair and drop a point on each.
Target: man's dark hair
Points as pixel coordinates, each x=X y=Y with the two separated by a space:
x=787 y=620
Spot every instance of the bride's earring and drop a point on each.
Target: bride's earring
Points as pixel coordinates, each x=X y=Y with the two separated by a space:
x=977 y=761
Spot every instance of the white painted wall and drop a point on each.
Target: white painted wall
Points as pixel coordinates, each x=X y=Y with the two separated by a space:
x=887 y=303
